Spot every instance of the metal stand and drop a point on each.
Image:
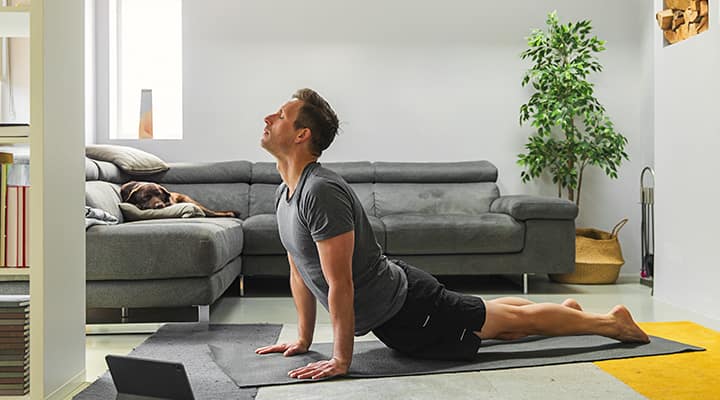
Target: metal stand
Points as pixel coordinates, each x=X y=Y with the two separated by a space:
x=647 y=230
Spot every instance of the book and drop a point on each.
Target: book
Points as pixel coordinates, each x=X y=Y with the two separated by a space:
x=13 y=310
x=14 y=129
x=12 y=227
x=6 y=160
x=14 y=300
x=14 y=379
x=7 y=315
x=21 y=321
x=13 y=392
x=13 y=371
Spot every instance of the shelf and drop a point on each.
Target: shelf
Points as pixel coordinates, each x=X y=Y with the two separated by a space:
x=14 y=140
x=12 y=271
x=25 y=9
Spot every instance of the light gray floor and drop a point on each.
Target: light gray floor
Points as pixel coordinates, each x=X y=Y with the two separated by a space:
x=554 y=382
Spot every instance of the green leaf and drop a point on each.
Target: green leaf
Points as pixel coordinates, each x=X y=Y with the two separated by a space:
x=571 y=127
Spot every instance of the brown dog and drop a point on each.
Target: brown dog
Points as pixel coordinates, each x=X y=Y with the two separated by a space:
x=149 y=195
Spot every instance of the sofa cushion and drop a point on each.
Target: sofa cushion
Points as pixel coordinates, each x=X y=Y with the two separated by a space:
x=364 y=192
x=216 y=196
x=105 y=196
x=262 y=198
x=162 y=248
x=262 y=236
x=180 y=210
x=437 y=198
x=129 y=159
x=92 y=172
x=452 y=234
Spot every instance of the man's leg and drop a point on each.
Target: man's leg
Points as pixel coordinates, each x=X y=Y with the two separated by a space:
x=505 y=321
x=519 y=301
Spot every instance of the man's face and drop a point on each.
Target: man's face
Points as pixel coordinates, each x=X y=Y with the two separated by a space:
x=280 y=133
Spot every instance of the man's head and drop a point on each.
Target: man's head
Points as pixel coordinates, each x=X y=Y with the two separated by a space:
x=306 y=119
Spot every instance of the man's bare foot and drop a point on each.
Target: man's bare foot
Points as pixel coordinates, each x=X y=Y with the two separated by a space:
x=572 y=303
x=627 y=329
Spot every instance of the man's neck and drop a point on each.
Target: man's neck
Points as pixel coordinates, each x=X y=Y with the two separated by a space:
x=291 y=169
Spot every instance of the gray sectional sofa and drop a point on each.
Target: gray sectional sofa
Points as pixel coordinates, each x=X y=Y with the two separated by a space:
x=446 y=218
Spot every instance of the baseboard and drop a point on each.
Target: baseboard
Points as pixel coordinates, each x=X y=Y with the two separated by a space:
x=67 y=389
x=123 y=329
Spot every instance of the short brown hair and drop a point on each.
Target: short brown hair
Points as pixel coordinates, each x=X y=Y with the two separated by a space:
x=316 y=115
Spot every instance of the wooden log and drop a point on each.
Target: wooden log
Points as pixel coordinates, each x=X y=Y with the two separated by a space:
x=692 y=29
x=670 y=36
x=677 y=4
x=703 y=8
x=682 y=32
x=702 y=28
x=664 y=19
x=690 y=15
x=703 y=23
x=678 y=19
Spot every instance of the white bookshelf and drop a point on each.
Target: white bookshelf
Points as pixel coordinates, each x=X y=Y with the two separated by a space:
x=57 y=238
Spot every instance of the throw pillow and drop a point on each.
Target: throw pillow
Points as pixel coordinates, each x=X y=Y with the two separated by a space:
x=130 y=160
x=179 y=210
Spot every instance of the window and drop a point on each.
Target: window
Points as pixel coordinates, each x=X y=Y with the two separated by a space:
x=145 y=62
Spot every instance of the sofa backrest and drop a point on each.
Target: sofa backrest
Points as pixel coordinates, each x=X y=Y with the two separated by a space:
x=384 y=188
x=216 y=185
x=434 y=188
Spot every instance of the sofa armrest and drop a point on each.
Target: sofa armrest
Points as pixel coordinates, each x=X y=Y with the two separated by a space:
x=523 y=207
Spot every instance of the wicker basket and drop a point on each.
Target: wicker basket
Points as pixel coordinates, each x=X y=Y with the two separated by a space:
x=598 y=257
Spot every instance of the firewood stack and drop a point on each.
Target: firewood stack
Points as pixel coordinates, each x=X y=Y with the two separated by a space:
x=682 y=19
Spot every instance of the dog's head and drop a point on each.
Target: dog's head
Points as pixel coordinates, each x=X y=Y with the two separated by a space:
x=145 y=195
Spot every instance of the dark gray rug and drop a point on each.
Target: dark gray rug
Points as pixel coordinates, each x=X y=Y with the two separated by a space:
x=188 y=343
x=373 y=359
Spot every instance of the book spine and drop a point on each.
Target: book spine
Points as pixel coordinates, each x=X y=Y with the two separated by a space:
x=3 y=212
x=11 y=229
x=26 y=226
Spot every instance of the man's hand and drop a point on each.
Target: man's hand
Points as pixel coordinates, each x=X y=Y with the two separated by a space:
x=288 y=349
x=320 y=369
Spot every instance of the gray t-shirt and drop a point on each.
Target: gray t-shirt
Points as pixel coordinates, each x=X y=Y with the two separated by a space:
x=324 y=206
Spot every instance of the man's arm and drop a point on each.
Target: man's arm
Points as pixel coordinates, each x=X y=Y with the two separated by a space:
x=305 y=304
x=336 y=262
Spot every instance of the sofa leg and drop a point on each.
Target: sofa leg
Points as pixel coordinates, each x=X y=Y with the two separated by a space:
x=241 y=278
x=525 y=283
x=203 y=314
x=123 y=314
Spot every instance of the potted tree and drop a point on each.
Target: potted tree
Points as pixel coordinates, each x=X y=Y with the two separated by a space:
x=572 y=130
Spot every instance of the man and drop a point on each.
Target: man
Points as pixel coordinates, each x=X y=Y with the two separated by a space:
x=335 y=258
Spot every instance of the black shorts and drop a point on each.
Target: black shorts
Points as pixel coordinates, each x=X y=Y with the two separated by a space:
x=434 y=322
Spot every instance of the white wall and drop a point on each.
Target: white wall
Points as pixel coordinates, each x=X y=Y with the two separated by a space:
x=687 y=139
x=411 y=81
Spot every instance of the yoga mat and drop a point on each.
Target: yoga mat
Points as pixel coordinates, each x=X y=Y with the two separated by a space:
x=188 y=343
x=688 y=376
x=372 y=359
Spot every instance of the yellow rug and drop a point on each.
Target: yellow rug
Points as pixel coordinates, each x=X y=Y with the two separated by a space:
x=693 y=375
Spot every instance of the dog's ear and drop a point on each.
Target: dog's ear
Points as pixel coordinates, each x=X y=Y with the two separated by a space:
x=167 y=192
x=128 y=189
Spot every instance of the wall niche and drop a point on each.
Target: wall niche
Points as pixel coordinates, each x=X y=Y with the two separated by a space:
x=682 y=19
